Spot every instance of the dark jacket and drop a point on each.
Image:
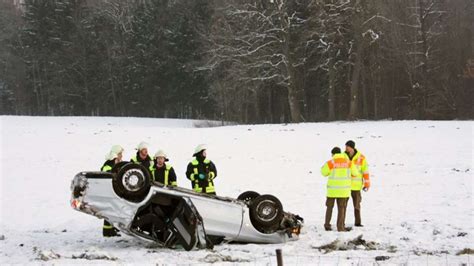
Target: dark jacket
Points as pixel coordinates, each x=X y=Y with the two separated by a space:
x=107 y=166
x=147 y=162
x=159 y=174
x=205 y=167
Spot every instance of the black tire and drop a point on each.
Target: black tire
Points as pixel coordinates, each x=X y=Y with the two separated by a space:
x=118 y=166
x=266 y=213
x=248 y=196
x=132 y=182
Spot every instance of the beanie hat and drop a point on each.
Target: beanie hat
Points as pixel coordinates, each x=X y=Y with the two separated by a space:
x=351 y=144
x=335 y=150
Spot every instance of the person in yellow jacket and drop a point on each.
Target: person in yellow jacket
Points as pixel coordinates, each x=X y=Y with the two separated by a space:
x=111 y=159
x=162 y=171
x=360 y=180
x=202 y=172
x=339 y=171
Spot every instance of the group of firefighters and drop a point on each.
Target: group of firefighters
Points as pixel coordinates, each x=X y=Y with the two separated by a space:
x=200 y=171
x=347 y=175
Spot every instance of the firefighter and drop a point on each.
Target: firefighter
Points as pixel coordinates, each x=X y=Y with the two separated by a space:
x=202 y=172
x=161 y=171
x=360 y=180
x=142 y=156
x=339 y=171
x=112 y=158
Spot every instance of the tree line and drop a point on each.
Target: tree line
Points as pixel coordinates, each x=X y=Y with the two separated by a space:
x=248 y=61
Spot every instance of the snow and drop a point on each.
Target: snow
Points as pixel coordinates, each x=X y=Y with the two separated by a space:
x=419 y=208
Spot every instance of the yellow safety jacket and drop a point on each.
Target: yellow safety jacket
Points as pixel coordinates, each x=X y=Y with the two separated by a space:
x=339 y=171
x=361 y=177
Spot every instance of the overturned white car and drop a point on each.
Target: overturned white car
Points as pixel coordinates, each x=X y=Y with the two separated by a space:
x=175 y=216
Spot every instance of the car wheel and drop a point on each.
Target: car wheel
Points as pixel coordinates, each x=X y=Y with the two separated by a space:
x=248 y=196
x=132 y=182
x=266 y=212
x=118 y=166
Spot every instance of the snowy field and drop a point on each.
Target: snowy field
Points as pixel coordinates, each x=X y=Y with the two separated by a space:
x=420 y=209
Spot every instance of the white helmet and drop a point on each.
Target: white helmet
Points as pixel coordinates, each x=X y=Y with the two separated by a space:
x=114 y=152
x=200 y=148
x=117 y=149
x=142 y=145
x=111 y=155
x=160 y=153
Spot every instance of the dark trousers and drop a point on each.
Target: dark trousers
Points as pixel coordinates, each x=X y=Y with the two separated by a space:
x=108 y=229
x=356 y=200
x=341 y=212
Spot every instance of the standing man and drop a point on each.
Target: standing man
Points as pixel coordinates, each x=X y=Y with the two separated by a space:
x=360 y=180
x=202 y=172
x=339 y=171
x=142 y=156
x=112 y=158
x=163 y=172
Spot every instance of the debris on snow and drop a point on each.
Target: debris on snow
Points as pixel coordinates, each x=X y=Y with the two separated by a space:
x=94 y=255
x=216 y=257
x=436 y=232
x=354 y=244
x=381 y=258
x=46 y=255
x=466 y=251
x=2 y=237
x=460 y=234
x=392 y=249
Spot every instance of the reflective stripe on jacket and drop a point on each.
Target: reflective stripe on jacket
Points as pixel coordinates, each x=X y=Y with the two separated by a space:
x=166 y=177
x=207 y=168
x=361 y=178
x=339 y=171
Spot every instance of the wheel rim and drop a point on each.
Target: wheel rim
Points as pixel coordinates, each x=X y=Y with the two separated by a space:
x=267 y=211
x=133 y=180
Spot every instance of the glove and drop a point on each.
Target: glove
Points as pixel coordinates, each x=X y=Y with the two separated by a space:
x=365 y=189
x=201 y=176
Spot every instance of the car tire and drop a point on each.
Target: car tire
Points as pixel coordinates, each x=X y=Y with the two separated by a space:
x=248 y=196
x=266 y=213
x=118 y=166
x=132 y=182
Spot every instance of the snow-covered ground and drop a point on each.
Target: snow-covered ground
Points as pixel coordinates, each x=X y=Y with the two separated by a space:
x=419 y=210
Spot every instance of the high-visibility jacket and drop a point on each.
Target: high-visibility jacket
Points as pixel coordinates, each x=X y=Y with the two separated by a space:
x=206 y=168
x=108 y=165
x=147 y=162
x=361 y=178
x=168 y=178
x=339 y=171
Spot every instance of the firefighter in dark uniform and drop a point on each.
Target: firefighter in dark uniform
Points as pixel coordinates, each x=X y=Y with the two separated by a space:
x=162 y=171
x=112 y=158
x=202 y=172
x=142 y=156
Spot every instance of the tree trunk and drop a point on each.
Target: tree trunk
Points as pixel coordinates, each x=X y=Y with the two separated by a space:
x=353 y=109
x=332 y=94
